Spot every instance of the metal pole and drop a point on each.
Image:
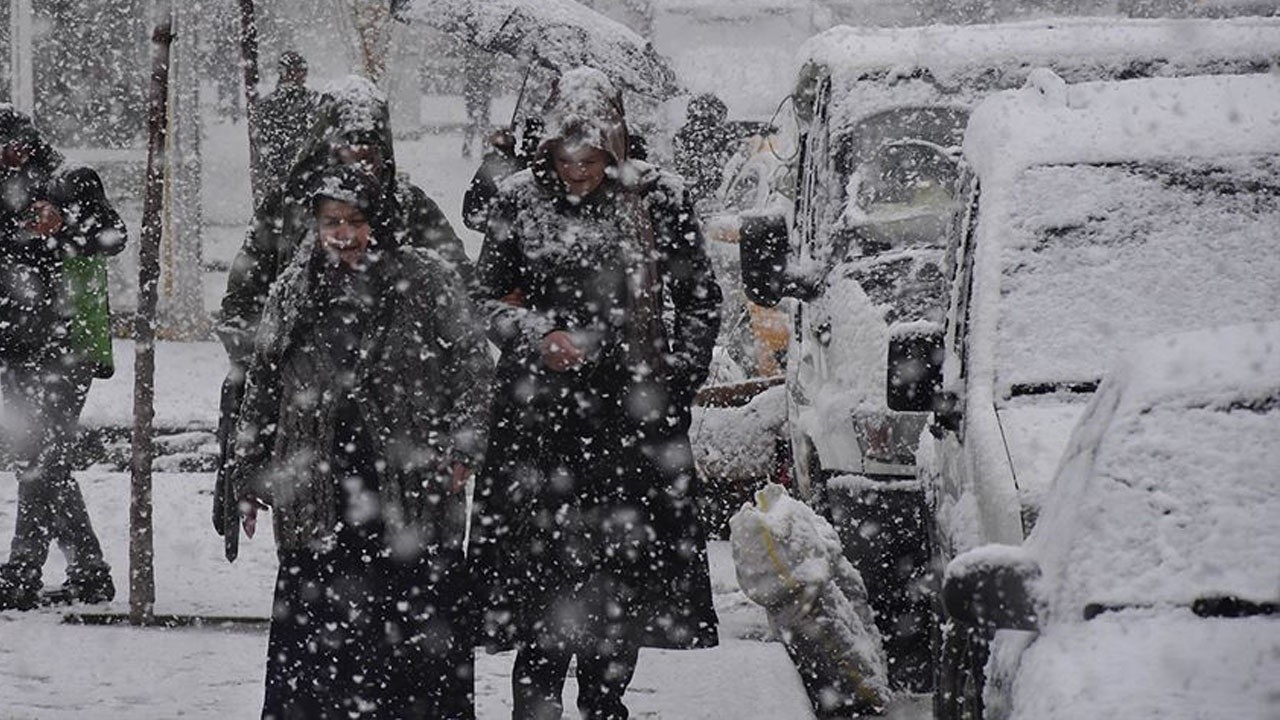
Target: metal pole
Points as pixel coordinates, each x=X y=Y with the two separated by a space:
x=249 y=59
x=21 y=57
x=142 y=581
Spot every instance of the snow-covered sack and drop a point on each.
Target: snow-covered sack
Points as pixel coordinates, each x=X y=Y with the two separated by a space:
x=789 y=559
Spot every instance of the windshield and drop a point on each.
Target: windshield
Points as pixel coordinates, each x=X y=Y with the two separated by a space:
x=943 y=126
x=900 y=179
x=1098 y=256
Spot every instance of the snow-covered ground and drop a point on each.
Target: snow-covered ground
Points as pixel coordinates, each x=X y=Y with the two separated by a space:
x=50 y=670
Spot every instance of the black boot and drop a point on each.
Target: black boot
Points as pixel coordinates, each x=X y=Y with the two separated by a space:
x=87 y=585
x=19 y=588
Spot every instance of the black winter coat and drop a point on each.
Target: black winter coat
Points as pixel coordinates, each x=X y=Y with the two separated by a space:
x=417 y=379
x=589 y=484
x=35 y=309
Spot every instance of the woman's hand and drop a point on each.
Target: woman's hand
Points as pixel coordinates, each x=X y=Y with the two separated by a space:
x=559 y=353
x=45 y=220
x=458 y=476
x=249 y=507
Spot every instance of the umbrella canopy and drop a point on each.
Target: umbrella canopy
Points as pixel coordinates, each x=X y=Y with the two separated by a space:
x=557 y=34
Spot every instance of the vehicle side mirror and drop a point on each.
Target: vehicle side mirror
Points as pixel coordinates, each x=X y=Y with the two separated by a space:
x=991 y=588
x=948 y=413
x=763 y=245
x=762 y=248
x=915 y=370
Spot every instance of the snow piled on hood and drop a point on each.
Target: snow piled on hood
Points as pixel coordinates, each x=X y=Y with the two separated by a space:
x=1169 y=490
x=361 y=105
x=586 y=109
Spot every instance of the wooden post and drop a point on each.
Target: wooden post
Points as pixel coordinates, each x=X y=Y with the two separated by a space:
x=142 y=582
x=249 y=60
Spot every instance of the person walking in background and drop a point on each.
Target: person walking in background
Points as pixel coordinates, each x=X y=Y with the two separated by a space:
x=363 y=417
x=54 y=339
x=703 y=145
x=503 y=157
x=283 y=118
x=602 y=301
x=351 y=127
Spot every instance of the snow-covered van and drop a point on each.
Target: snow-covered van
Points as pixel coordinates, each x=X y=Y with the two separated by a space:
x=881 y=188
x=1104 y=213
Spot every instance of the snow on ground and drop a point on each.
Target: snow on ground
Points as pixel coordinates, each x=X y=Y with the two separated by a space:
x=51 y=670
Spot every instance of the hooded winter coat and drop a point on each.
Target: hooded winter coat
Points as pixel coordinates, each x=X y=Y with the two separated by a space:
x=589 y=483
x=348 y=112
x=420 y=388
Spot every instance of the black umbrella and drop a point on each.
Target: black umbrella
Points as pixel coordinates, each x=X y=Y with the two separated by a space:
x=557 y=34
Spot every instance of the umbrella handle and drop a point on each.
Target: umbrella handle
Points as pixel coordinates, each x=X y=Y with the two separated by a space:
x=520 y=97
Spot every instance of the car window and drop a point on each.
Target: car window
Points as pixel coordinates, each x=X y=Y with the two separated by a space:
x=1094 y=257
x=940 y=125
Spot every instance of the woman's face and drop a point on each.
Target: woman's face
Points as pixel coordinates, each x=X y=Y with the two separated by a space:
x=344 y=232
x=580 y=168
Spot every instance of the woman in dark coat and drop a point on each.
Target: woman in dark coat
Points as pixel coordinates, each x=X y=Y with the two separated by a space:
x=603 y=303
x=364 y=411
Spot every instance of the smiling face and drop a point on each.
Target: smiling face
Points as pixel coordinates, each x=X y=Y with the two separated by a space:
x=344 y=232
x=580 y=168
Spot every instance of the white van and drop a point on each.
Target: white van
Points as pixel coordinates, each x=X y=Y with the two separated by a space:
x=1105 y=214
x=881 y=189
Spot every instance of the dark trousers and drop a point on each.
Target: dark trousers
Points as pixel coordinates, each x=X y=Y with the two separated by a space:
x=358 y=634
x=605 y=670
x=44 y=399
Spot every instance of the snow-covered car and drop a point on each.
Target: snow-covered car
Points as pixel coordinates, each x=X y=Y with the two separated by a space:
x=1104 y=213
x=882 y=190
x=1150 y=586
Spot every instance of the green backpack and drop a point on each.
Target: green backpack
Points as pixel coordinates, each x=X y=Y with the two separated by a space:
x=85 y=280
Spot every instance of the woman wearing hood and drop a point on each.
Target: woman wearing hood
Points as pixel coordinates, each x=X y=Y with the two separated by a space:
x=363 y=415
x=351 y=129
x=603 y=303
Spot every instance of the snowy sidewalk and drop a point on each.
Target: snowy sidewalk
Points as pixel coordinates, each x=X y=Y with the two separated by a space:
x=53 y=671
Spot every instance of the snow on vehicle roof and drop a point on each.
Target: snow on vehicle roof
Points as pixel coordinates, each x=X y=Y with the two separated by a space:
x=1168 y=492
x=947 y=51
x=1207 y=367
x=1122 y=121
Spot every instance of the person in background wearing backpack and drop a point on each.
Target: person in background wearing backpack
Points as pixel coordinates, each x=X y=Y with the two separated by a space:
x=56 y=228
